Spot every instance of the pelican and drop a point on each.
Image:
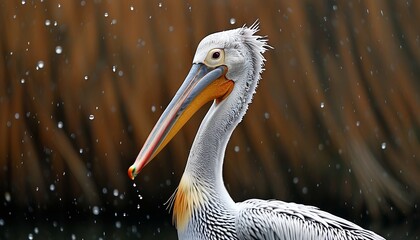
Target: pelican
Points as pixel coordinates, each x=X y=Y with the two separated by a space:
x=226 y=69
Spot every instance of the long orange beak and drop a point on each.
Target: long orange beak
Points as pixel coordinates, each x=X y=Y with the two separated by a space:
x=203 y=84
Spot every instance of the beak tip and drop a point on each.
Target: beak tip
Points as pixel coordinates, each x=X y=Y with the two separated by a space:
x=132 y=172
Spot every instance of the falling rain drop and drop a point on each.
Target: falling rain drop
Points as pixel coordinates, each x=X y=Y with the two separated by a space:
x=115 y=192
x=118 y=224
x=40 y=65
x=95 y=210
x=58 y=49
x=383 y=145
x=236 y=149
x=7 y=197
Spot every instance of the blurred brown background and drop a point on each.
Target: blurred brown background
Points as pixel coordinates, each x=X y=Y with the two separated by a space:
x=335 y=122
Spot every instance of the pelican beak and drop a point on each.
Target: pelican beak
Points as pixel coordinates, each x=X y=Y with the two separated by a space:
x=203 y=84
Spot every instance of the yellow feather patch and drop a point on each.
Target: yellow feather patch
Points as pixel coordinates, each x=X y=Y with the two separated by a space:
x=188 y=197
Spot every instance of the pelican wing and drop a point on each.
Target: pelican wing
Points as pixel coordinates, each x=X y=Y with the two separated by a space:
x=260 y=219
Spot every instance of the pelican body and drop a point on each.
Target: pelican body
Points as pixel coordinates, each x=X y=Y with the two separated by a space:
x=226 y=69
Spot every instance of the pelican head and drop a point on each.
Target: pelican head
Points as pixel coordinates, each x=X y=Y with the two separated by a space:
x=226 y=65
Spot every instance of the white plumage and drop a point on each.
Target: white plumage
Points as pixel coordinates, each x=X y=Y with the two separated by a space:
x=226 y=68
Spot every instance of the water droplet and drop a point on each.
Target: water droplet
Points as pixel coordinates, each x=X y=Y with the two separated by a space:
x=106 y=14
x=358 y=123
x=383 y=145
x=52 y=187
x=160 y=4
x=17 y=115
x=60 y=124
x=266 y=115
x=131 y=8
x=140 y=197
x=91 y=117
x=115 y=192
x=95 y=210
x=118 y=224
x=40 y=65
x=22 y=80
x=86 y=77
x=138 y=206
x=322 y=105
x=47 y=22
x=114 y=68
x=236 y=149
x=114 y=21
x=58 y=49
x=7 y=197
x=37 y=189
x=295 y=180
x=30 y=236
x=232 y=21
x=1 y=222
x=153 y=108
x=335 y=7
x=23 y=2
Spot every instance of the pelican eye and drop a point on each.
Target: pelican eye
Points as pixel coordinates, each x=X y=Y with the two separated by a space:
x=215 y=57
